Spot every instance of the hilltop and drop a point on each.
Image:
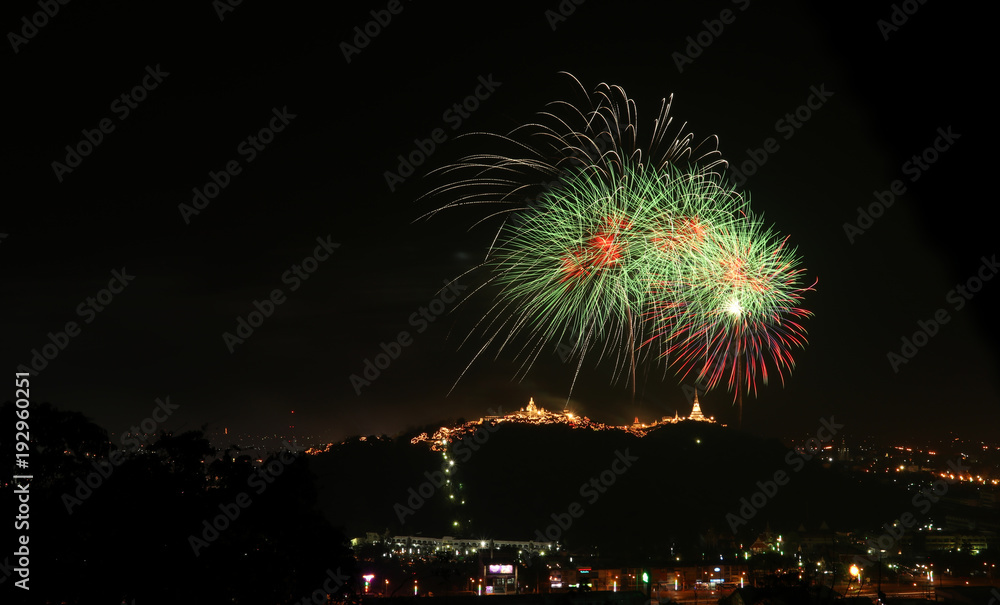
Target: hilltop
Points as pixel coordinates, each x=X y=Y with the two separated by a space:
x=669 y=485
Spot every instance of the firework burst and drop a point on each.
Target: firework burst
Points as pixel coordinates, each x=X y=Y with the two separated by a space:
x=739 y=311
x=629 y=248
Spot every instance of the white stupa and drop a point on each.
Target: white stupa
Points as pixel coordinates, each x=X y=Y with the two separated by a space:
x=531 y=407
x=696 y=410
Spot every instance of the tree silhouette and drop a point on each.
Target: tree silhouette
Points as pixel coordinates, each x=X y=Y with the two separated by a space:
x=104 y=532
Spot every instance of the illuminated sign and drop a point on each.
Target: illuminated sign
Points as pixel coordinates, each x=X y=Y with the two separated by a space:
x=501 y=569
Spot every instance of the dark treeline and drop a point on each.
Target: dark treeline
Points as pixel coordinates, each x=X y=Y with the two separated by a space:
x=171 y=522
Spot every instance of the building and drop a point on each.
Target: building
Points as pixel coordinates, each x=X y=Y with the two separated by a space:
x=955 y=541
x=422 y=546
x=501 y=578
x=696 y=414
x=533 y=414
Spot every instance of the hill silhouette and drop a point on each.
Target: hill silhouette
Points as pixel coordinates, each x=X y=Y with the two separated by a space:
x=674 y=492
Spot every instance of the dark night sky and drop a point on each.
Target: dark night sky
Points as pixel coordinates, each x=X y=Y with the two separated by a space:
x=324 y=176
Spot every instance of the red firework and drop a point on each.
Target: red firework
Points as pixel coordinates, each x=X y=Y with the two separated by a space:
x=735 y=273
x=602 y=250
x=682 y=234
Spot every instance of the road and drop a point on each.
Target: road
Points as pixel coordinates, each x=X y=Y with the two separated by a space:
x=918 y=589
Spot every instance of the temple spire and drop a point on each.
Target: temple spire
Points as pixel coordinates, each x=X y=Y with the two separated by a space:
x=696 y=410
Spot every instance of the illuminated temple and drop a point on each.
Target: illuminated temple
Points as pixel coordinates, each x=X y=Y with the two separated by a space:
x=695 y=414
x=534 y=414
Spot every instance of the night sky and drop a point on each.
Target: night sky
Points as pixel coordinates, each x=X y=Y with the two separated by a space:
x=209 y=83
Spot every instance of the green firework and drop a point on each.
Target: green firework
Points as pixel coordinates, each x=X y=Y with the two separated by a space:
x=626 y=244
